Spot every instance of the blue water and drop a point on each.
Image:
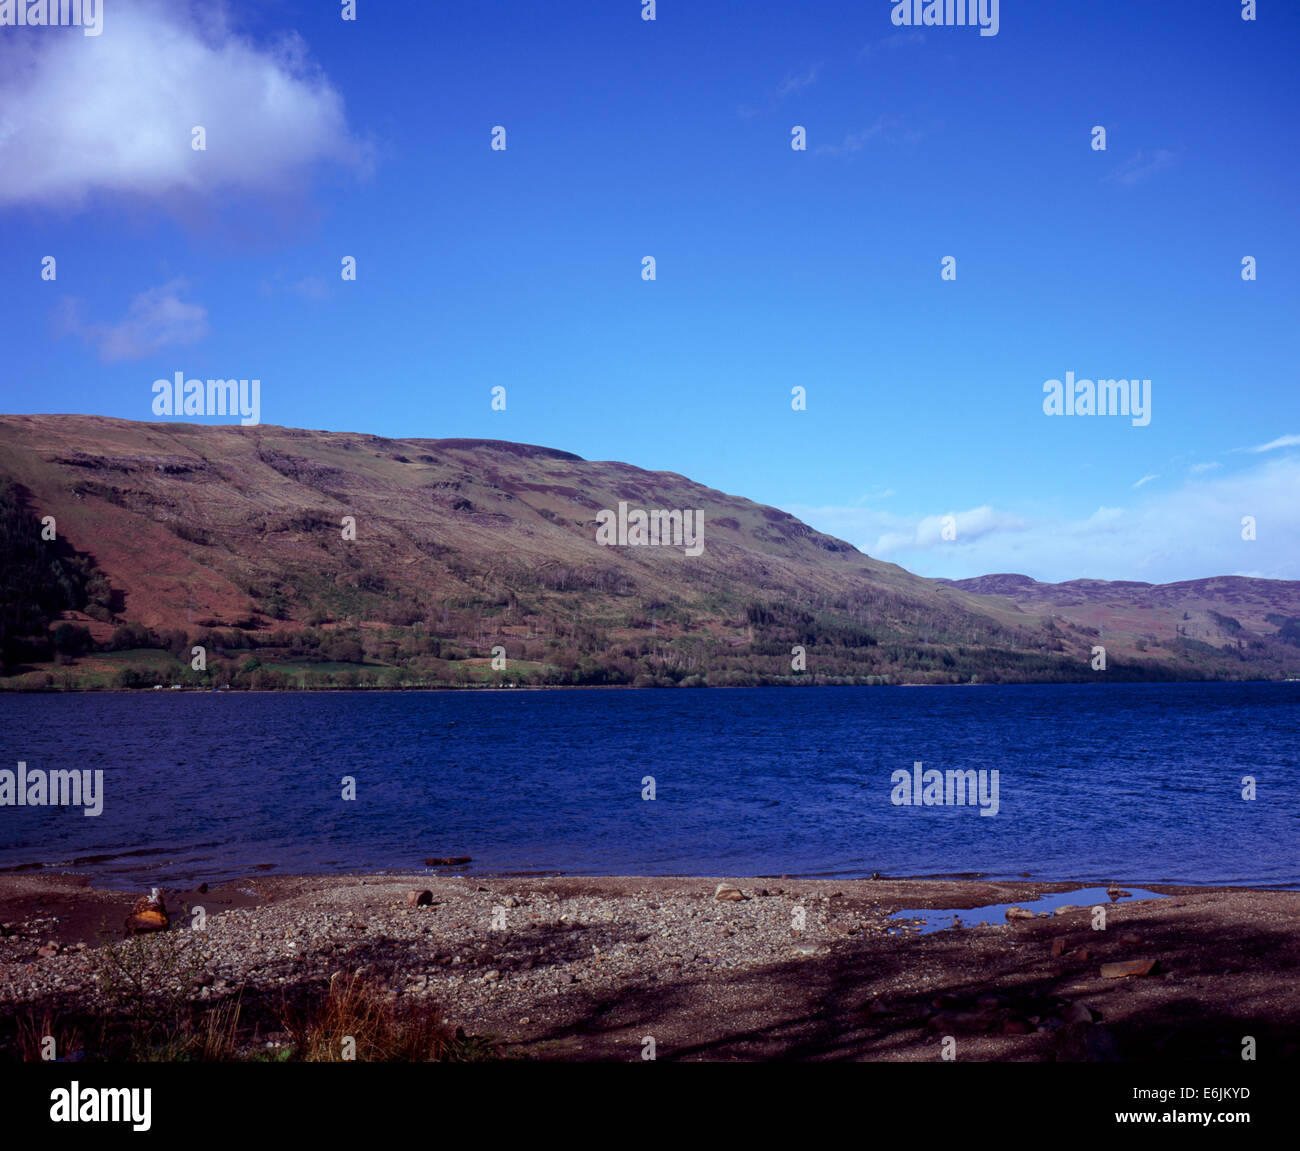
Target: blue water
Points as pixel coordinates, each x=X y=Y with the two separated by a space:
x=1135 y=783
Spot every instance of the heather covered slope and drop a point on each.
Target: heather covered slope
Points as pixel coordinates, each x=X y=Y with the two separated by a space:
x=1229 y=613
x=234 y=537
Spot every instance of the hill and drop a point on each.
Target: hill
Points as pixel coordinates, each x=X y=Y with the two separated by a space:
x=312 y=558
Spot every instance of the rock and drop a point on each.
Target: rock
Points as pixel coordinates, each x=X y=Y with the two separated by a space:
x=1131 y=940
x=1058 y=947
x=1066 y=908
x=962 y=1021
x=1115 y=892
x=1020 y=913
x=1016 y=1027
x=727 y=891
x=447 y=861
x=1086 y=1043
x=148 y=914
x=47 y=952
x=1077 y=1013
x=419 y=898
x=510 y=901
x=202 y=889
x=1129 y=967
x=492 y=976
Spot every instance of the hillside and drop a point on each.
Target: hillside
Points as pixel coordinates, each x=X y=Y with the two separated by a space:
x=233 y=538
x=1224 y=612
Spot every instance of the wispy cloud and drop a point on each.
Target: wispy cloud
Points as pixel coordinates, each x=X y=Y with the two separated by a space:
x=1142 y=166
x=156 y=319
x=854 y=141
x=1145 y=480
x=1197 y=469
x=308 y=287
x=791 y=83
x=797 y=83
x=893 y=43
x=1280 y=442
x=1188 y=531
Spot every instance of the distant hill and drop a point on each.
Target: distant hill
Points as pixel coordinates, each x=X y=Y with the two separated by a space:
x=1224 y=612
x=173 y=535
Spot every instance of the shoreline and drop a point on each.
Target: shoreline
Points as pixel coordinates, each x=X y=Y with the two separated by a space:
x=68 y=874
x=1082 y=681
x=583 y=967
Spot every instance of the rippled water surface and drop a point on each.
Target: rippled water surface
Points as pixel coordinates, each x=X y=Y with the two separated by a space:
x=1138 y=783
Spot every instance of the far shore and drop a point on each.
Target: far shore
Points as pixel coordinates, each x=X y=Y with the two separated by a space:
x=53 y=689
x=586 y=968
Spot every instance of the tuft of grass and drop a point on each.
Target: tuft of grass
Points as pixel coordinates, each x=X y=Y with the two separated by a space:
x=33 y=1034
x=354 y=1021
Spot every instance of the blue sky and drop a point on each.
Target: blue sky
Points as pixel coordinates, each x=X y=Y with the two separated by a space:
x=775 y=268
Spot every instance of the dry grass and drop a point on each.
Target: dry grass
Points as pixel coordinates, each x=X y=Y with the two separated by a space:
x=35 y=1034
x=354 y=1021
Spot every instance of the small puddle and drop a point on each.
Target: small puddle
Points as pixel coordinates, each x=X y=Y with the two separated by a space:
x=928 y=919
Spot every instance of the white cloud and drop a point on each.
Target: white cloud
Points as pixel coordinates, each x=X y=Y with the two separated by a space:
x=1140 y=166
x=1145 y=480
x=115 y=112
x=893 y=42
x=157 y=318
x=1280 y=442
x=1197 y=469
x=855 y=141
x=793 y=84
x=1187 y=532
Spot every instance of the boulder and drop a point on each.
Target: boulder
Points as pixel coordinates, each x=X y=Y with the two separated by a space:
x=1086 y=1043
x=419 y=898
x=1076 y=1013
x=727 y=891
x=1020 y=913
x=148 y=914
